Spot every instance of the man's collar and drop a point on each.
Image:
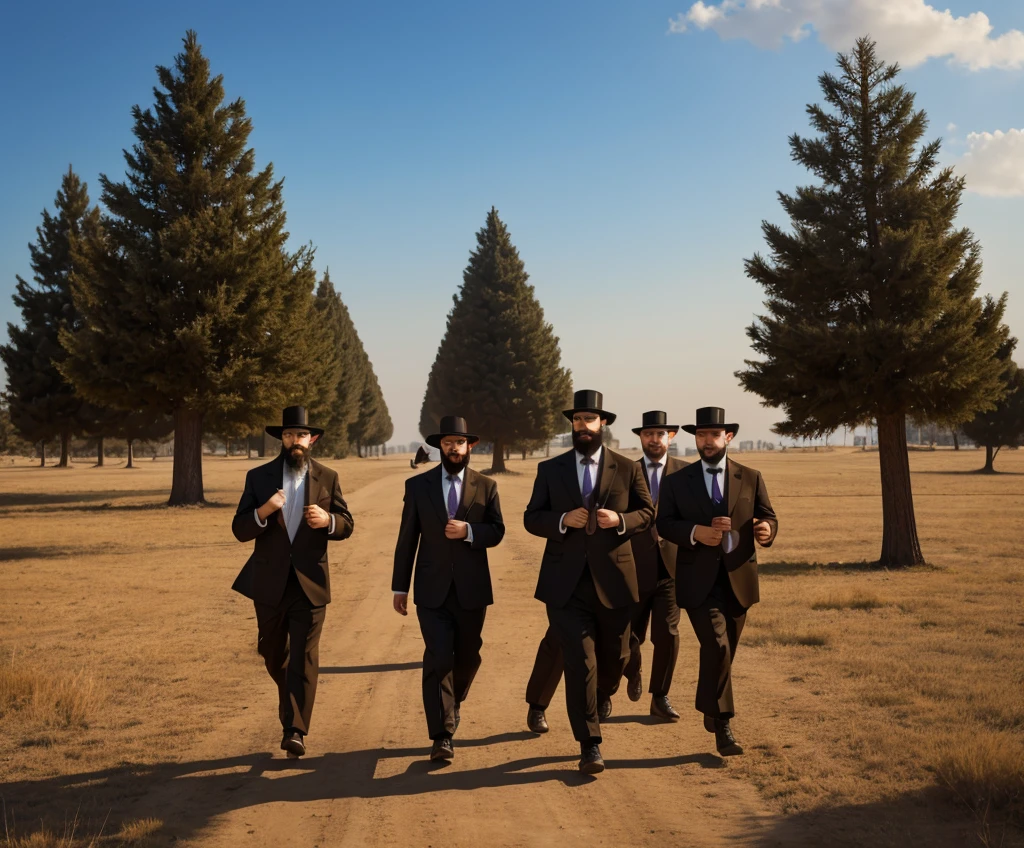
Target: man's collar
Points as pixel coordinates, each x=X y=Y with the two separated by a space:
x=461 y=475
x=721 y=464
x=596 y=455
x=649 y=462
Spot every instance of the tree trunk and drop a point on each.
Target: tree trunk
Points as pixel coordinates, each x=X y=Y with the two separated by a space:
x=956 y=440
x=65 y=450
x=187 y=477
x=99 y=451
x=524 y=453
x=990 y=457
x=900 y=545
x=131 y=454
x=42 y=454
x=498 y=457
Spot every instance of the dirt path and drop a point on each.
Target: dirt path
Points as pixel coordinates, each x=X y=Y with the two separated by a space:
x=366 y=779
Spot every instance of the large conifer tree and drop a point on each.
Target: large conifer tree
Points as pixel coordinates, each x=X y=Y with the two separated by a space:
x=43 y=404
x=499 y=364
x=871 y=306
x=191 y=304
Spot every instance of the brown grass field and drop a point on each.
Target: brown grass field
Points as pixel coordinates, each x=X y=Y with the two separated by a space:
x=877 y=707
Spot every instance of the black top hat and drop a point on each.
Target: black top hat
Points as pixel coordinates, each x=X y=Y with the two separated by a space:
x=451 y=425
x=711 y=418
x=588 y=400
x=655 y=420
x=293 y=417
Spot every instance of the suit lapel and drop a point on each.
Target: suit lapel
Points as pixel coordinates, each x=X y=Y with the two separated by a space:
x=647 y=479
x=734 y=478
x=275 y=481
x=432 y=480
x=606 y=475
x=469 y=485
x=695 y=475
x=569 y=478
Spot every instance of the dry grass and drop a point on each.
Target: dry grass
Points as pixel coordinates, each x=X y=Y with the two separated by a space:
x=137 y=833
x=858 y=600
x=986 y=772
x=45 y=700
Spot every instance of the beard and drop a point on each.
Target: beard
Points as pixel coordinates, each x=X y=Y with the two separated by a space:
x=296 y=456
x=587 y=446
x=655 y=452
x=454 y=463
x=714 y=457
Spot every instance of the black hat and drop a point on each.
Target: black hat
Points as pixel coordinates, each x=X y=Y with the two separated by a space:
x=655 y=420
x=293 y=417
x=711 y=418
x=587 y=400
x=451 y=425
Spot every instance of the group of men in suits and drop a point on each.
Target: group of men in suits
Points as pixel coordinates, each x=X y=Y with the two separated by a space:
x=628 y=543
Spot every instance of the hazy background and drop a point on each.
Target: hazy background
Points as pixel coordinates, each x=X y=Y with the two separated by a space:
x=632 y=150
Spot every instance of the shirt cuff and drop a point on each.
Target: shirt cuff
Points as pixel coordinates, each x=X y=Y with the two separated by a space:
x=399 y=593
x=330 y=527
x=469 y=533
x=692 y=533
x=622 y=524
x=256 y=515
x=561 y=523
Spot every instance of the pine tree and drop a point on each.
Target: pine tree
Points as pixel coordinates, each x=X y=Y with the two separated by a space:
x=191 y=305
x=372 y=425
x=498 y=364
x=1002 y=426
x=871 y=299
x=10 y=442
x=44 y=405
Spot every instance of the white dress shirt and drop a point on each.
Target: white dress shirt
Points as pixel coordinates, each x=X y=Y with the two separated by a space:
x=293 y=484
x=655 y=468
x=596 y=457
x=445 y=485
x=730 y=539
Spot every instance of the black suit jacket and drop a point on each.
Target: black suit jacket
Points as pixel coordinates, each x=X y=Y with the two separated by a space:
x=264 y=575
x=556 y=491
x=684 y=503
x=441 y=560
x=650 y=549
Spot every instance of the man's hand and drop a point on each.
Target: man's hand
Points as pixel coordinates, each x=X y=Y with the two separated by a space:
x=577 y=518
x=607 y=519
x=707 y=535
x=456 y=529
x=402 y=603
x=275 y=503
x=317 y=517
x=762 y=531
x=722 y=523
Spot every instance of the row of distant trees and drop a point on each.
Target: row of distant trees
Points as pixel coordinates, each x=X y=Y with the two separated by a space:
x=179 y=307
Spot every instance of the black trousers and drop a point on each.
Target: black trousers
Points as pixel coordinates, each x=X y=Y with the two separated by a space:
x=451 y=658
x=659 y=607
x=718 y=623
x=289 y=642
x=594 y=641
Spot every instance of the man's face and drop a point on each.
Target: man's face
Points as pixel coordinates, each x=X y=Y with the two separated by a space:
x=296 y=442
x=711 y=443
x=655 y=441
x=455 y=452
x=586 y=432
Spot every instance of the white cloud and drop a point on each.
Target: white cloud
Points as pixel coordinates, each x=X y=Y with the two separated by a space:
x=994 y=163
x=907 y=31
x=951 y=128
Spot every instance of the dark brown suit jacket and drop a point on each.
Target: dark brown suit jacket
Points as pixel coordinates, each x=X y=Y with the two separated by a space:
x=556 y=491
x=265 y=574
x=648 y=548
x=441 y=560
x=684 y=503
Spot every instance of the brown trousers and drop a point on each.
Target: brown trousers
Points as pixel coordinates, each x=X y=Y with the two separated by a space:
x=289 y=642
x=659 y=608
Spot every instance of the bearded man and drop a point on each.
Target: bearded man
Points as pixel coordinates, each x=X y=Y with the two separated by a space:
x=450 y=518
x=292 y=507
x=587 y=503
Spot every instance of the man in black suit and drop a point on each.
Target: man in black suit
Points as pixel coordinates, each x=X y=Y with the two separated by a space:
x=655 y=560
x=715 y=510
x=452 y=518
x=291 y=506
x=587 y=503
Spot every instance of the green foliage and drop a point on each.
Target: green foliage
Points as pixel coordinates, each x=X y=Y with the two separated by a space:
x=871 y=306
x=499 y=363
x=1002 y=426
x=190 y=302
x=43 y=405
x=10 y=442
x=341 y=414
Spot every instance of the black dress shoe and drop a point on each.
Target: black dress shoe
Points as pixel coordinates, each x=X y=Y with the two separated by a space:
x=293 y=744
x=458 y=717
x=662 y=708
x=591 y=761
x=635 y=686
x=536 y=721
x=442 y=749
x=725 y=742
x=604 y=706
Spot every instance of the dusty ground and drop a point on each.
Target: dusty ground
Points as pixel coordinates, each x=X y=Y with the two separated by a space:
x=150 y=720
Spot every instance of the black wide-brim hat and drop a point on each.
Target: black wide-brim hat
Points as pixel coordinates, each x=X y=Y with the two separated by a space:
x=711 y=418
x=655 y=420
x=588 y=400
x=451 y=425
x=293 y=417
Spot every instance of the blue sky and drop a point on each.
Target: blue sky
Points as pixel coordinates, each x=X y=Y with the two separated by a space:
x=631 y=148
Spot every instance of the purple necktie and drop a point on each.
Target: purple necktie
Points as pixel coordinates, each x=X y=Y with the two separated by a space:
x=652 y=470
x=588 y=484
x=453 y=495
x=716 y=492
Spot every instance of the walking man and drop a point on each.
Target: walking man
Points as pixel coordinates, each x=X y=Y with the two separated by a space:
x=291 y=507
